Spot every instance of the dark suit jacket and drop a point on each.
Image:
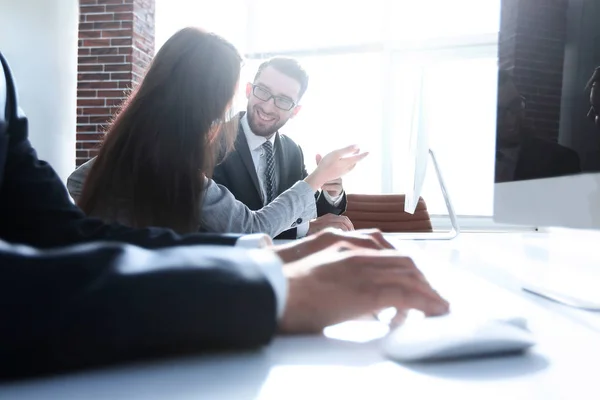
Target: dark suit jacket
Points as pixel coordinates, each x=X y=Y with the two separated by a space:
x=237 y=173
x=100 y=303
x=540 y=158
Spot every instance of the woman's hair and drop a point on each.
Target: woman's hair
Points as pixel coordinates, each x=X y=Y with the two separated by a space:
x=162 y=142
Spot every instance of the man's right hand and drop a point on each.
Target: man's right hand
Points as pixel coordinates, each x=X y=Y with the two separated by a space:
x=335 y=165
x=330 y=221
x=345 y=282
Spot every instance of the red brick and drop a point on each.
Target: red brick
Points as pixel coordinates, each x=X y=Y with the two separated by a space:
x=106 y=63
x=89 y=68
x=92 y=77
x=116 y=76
x=100 y=120
x=86 y=93
x=107 y=25
x=86 y=26
x=111 y=59
x=124 y=16
x=99 y=17
x=89 y=103
x=88 y=9
x=96 y=137
x=87 y=59
x=89 y=34
x=117 y=67
x=98 y=85
x=86 y=128
x=114 y=102
x=121 y=42
x=110 y=93
x=117 y=33
x=96 y=110
x=104 y=50
x=122 y=8
x=96 y=43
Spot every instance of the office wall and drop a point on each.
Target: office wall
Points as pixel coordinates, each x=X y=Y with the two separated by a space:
x=582 y=55
x=116 y=45
x=39 y=39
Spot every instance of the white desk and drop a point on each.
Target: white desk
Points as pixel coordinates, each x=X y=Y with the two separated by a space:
x=564 y=365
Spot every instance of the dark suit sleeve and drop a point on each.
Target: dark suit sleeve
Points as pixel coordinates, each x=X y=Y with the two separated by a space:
x=97 y=304
x=35 y=208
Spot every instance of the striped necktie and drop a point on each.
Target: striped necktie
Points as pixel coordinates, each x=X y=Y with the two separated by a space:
x=270 y=172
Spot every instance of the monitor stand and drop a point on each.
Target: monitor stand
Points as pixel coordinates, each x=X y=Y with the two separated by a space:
x=455 y=229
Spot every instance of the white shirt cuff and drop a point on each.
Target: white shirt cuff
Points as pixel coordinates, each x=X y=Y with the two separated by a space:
x=302 y=229
x=334 y=201
x=271 y=266
x=254 y=241
x=268 y=263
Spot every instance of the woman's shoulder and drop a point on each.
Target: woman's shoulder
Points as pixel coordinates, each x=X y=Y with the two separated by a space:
x=76 y=180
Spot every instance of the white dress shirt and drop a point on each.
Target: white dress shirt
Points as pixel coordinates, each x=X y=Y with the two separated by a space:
x=255 y=144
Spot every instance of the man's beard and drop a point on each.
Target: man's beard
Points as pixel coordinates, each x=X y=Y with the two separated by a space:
x=259 y=131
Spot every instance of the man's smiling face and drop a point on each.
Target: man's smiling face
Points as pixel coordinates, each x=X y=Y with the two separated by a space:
x=272 y=101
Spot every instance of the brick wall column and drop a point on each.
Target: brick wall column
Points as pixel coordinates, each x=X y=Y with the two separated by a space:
x=116 y=44
x=532 y=46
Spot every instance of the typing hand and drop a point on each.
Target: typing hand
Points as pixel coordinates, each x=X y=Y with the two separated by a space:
x=333 y=286
x=366 y=239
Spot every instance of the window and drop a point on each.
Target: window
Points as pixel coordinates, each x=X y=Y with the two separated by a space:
x=284 y=25
x=364 y=59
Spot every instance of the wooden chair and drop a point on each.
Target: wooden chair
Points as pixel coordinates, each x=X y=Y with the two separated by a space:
x=386 y=213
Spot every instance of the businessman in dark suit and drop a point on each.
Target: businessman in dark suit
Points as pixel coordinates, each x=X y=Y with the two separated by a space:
x=265 y=162
x=64 y=307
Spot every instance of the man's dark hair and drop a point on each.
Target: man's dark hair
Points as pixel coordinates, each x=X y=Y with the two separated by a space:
x=288 y=66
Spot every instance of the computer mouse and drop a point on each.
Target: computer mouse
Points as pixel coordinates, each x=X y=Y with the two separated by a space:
x=452 y=337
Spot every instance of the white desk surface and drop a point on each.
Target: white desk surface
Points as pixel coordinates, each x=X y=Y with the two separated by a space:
x=346 y=363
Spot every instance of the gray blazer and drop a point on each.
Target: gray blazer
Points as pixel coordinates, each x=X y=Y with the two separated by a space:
x=221 y=212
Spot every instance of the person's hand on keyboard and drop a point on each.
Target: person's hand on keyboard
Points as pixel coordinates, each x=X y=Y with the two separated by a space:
x=332 y=286
x=364 y=238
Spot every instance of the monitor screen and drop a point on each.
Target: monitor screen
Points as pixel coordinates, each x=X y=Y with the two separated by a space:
x=548 y=106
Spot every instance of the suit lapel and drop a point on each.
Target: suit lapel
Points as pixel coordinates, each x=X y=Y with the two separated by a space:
x=243 y=151
x=282 y=165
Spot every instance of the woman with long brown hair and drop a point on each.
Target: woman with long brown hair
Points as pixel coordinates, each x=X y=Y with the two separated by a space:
x=154 y=166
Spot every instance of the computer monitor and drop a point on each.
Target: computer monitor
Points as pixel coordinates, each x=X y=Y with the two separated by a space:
x=418 y=151
x=547 y=170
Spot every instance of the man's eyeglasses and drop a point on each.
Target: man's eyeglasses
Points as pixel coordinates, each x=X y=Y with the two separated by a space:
x=283 y=103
